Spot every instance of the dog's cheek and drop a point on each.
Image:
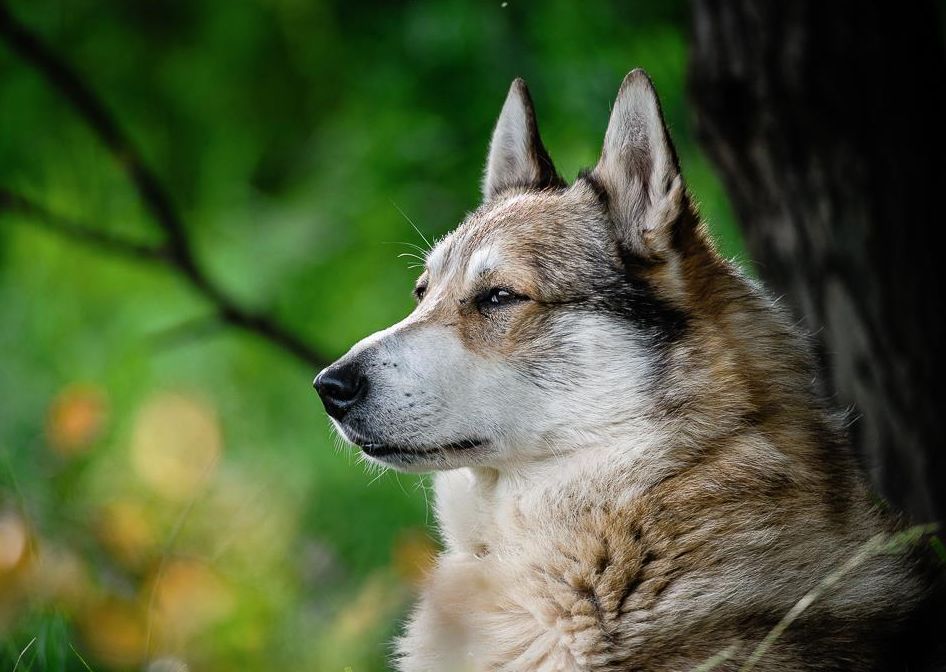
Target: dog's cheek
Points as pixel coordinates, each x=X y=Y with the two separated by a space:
x=540 y=348
x=482 y=333
x=583 y=369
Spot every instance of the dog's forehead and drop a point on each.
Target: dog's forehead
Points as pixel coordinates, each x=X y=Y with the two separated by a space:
x=511 y=230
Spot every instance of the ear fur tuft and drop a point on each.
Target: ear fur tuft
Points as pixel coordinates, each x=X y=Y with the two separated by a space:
x=517 y=158
x=638 y=167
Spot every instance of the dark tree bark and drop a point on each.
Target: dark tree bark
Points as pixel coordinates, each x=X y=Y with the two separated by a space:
x=827 y=122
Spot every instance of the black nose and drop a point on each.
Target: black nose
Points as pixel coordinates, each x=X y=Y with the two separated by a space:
x=341 y=386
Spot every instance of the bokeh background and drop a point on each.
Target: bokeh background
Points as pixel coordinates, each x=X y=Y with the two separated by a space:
x=170 y=492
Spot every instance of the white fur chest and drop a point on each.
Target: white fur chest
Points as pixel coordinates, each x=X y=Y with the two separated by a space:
x=489 y=605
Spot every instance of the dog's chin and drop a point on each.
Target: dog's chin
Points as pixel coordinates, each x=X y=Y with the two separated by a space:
x=422 y=458
x=414 y=457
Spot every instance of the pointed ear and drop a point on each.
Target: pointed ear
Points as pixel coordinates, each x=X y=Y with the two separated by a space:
x=638 y=168
x=517 y=157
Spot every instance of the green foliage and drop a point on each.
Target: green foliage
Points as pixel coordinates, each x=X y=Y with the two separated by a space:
x=289 y=132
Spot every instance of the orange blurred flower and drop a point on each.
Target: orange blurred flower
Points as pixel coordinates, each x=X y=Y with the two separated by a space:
x=76 y=419
x=125 y=529
x=115 y=632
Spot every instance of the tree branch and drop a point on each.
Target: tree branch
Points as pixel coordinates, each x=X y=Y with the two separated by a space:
x=62 y=77
x=177 y=253
x=225 y=309
x=68 y=228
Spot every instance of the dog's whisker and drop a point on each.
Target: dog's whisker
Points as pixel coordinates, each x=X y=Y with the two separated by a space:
x=414 y=226
x=400 y=242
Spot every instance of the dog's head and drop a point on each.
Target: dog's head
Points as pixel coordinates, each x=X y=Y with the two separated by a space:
x=543 y=320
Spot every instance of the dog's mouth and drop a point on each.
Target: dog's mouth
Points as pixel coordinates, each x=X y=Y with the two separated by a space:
x=382 y=450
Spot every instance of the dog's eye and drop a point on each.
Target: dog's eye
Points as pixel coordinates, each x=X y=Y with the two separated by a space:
x=420 y=291
x=496 y=297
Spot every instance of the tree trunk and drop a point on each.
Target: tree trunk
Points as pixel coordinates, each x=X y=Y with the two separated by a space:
x=827 y=123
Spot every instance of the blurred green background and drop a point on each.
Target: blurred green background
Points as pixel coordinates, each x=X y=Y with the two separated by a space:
x=172 y=496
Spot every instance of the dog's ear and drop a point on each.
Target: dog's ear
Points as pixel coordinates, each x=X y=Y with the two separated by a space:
x=638 y=169
x=517 y=158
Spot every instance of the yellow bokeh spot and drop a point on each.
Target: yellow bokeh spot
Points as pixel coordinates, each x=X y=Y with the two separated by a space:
x=127 y=531
x=13 y=540
x=189 y=597
x=251 y=522
x=175 y=445
x=76 y=419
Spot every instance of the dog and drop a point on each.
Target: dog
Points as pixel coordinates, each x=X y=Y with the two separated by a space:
x=635 y=470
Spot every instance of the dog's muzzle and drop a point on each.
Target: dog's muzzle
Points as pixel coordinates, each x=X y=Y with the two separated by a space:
x=341 y=386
